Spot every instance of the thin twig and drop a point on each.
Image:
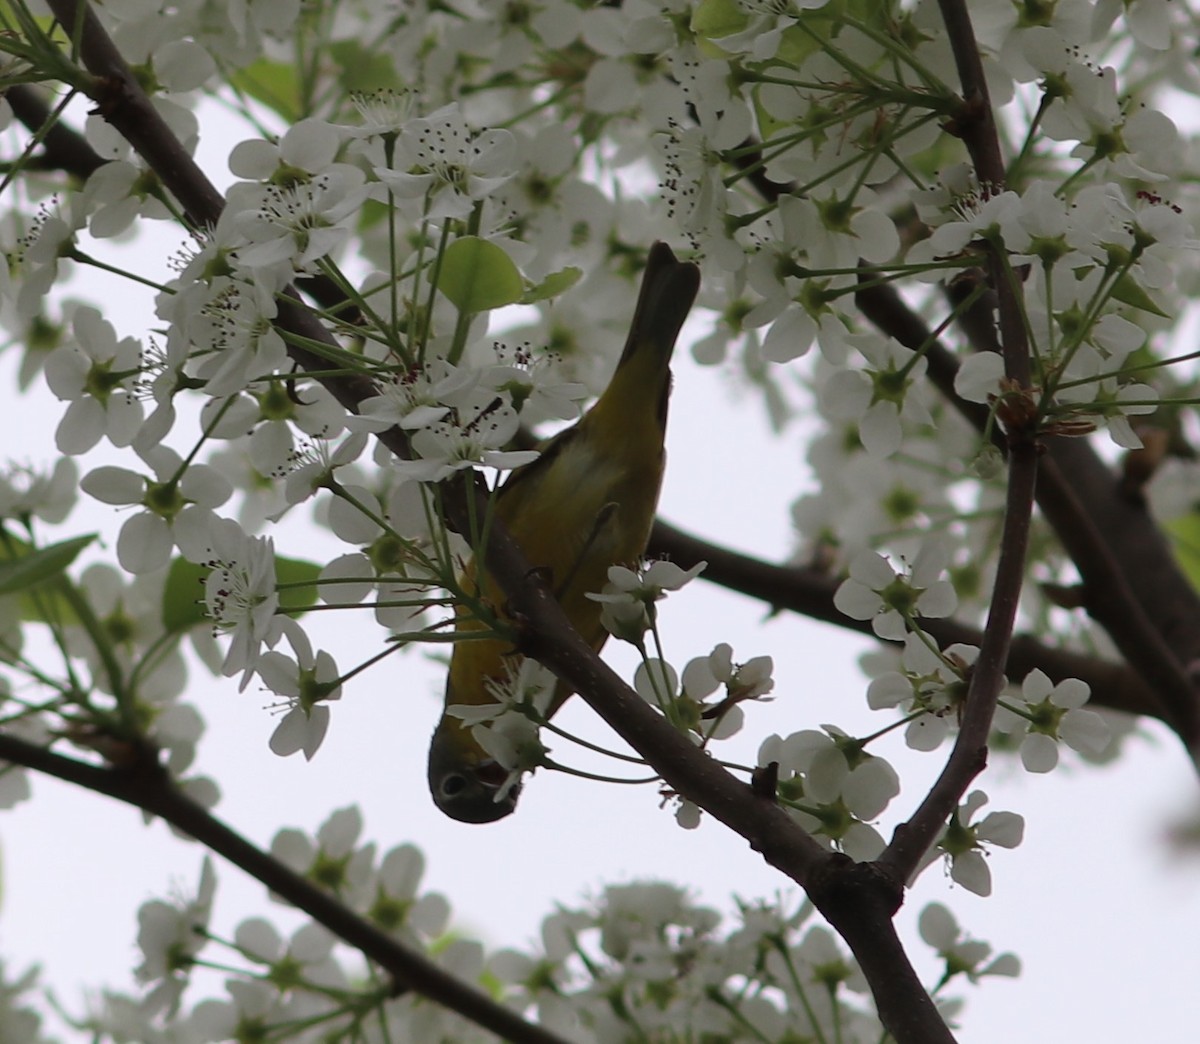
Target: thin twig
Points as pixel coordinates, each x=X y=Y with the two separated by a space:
x=969 y=755
x=976 y=126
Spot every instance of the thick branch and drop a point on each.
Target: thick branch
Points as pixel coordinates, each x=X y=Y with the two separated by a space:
x=64 y=149
x=148 y=786
x=857 y=899
x=862 y=914
x=1132 y=584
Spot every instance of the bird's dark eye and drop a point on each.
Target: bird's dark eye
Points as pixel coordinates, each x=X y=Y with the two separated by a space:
x=453 y=783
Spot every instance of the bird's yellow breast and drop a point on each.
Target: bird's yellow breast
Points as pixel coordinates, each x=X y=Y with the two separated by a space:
x=575 y=516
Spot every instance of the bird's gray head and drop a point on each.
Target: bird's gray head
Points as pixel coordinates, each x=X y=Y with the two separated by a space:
x=465 y=786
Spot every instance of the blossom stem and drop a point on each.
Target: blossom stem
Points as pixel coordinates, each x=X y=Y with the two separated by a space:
x=549 y=726
x=581 y=774
x=77 y=255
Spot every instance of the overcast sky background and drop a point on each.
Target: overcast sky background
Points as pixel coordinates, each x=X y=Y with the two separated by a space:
x=1101 y=911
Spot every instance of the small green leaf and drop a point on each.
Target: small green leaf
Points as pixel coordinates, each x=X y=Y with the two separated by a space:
x=553 y=285
x=295 y=571
x=275 y=84
x=478 y=276
x=1129 y=291
x=713 y=19
x=37 y=567
x=363 y=69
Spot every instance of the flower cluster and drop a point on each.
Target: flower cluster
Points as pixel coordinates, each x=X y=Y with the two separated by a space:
x=833 y=786
x=641 y=959
x=277 y=983
x=962 y=842
x=629 y=597
x=894 y=601
x=930 y=686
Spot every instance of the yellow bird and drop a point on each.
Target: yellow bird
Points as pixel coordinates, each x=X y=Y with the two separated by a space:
x=587 y=503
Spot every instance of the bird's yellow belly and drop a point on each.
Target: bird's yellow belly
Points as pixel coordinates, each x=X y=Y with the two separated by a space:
x=585 y=513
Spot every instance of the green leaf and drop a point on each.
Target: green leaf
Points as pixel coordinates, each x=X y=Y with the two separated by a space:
x=183 y=594
x=47 y=563
x=371 y=214
x=363 y=69
x=478 y=276
x=713 y=19
x=297 y=571
x=275 y=84
x=553 y=285
x=1129 y=291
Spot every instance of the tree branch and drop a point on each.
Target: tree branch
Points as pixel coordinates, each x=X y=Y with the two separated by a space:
x=1163 y=615
x=969 y=756
x=809 y=591
x=976 y=126
x=66 y=150
x=1132 y=585
x=858 y=899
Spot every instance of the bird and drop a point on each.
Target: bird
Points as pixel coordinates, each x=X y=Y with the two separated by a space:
x=585 y=504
